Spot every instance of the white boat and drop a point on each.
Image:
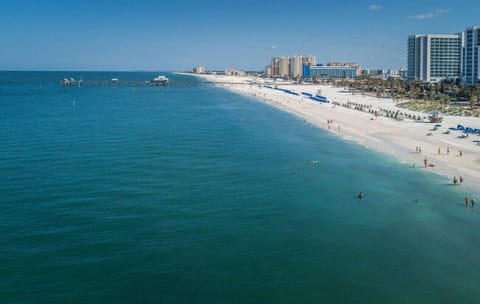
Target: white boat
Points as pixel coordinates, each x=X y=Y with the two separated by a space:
x=160 y=79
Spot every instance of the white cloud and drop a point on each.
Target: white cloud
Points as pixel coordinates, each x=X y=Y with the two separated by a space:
x=375 y=7
x=435 y=13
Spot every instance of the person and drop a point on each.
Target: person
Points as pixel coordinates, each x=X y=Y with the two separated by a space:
x=360 y=195
x=425 y=162
x=438 y=151
x=461 y=179
x=466 y=201
x=455 y=181
x=472 y=201
x=448 y=150
x=461 y=153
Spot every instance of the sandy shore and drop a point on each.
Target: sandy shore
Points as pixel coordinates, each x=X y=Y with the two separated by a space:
x=399 y=139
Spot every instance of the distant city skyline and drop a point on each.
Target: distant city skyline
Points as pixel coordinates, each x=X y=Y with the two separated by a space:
x=167 y=36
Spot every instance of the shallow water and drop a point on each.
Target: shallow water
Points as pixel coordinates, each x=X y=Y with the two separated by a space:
x=191 y=193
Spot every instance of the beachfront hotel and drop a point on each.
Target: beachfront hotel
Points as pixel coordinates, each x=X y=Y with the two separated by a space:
x=306 y=67
x=289 y=66
x=471 y=55
x=433 y=58
x=328 y=72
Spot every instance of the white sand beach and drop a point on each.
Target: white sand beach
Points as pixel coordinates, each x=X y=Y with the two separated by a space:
x=398 y=138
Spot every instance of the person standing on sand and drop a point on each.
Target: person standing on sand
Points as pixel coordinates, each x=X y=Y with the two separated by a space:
x=448 y=150
x=461 y=180
x=461 y=153
x=425 y=162
x=438 y=151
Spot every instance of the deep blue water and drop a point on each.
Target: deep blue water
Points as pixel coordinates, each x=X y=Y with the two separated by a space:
x=192 y=194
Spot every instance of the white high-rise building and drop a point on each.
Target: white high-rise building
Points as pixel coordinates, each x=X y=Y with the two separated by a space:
x=432 y=58
x=471 y=55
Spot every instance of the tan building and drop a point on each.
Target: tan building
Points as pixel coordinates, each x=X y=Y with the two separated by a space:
x=199 y=70
x=284 y=67
x=290 y=66
x=296 y=66
x=275 y=66
x=309 y=60
x=268 y=70
x=233 y=72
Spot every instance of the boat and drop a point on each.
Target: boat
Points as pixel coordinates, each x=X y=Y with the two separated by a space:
x=435 y=116
x=160 y=80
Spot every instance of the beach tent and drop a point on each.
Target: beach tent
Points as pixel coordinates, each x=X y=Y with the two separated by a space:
x=319 y=98
x=461 y=128
x=469 y=130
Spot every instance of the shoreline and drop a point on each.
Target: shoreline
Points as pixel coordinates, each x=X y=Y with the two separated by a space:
x=398 y=139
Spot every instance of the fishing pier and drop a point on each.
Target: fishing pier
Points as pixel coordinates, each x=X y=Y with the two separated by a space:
x=114 y=82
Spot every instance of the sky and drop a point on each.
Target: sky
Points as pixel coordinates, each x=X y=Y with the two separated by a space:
x=177 y=35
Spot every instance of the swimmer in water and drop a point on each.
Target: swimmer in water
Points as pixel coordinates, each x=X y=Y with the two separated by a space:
x=360 y=195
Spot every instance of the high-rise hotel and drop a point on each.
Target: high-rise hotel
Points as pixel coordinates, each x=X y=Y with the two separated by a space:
x=471 y=55
x=433 y=57
x=289 y=66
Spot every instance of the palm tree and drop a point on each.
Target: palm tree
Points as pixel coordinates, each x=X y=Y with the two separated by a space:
x=473 y=99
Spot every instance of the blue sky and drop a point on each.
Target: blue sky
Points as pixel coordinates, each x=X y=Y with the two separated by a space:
x=218 y=34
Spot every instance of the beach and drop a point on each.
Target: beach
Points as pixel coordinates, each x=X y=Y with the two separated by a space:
x=410 y=141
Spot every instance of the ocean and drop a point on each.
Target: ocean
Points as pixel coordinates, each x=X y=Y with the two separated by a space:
x=193 y=194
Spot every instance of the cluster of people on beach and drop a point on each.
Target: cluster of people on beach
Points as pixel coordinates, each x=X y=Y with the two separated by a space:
x=329 y=123
x=472 y=202
x=455 y=180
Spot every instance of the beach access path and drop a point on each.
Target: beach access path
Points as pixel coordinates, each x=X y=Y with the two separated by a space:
x=398 y=138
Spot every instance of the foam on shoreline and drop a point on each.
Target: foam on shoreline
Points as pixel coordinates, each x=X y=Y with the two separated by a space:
x=386 y=135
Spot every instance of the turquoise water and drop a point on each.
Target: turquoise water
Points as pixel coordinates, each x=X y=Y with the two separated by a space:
x=192 y=194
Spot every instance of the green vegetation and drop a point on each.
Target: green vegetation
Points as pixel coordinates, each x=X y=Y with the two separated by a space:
x=450 y=97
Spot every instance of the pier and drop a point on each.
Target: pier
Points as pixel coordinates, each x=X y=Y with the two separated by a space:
x=135 y=83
